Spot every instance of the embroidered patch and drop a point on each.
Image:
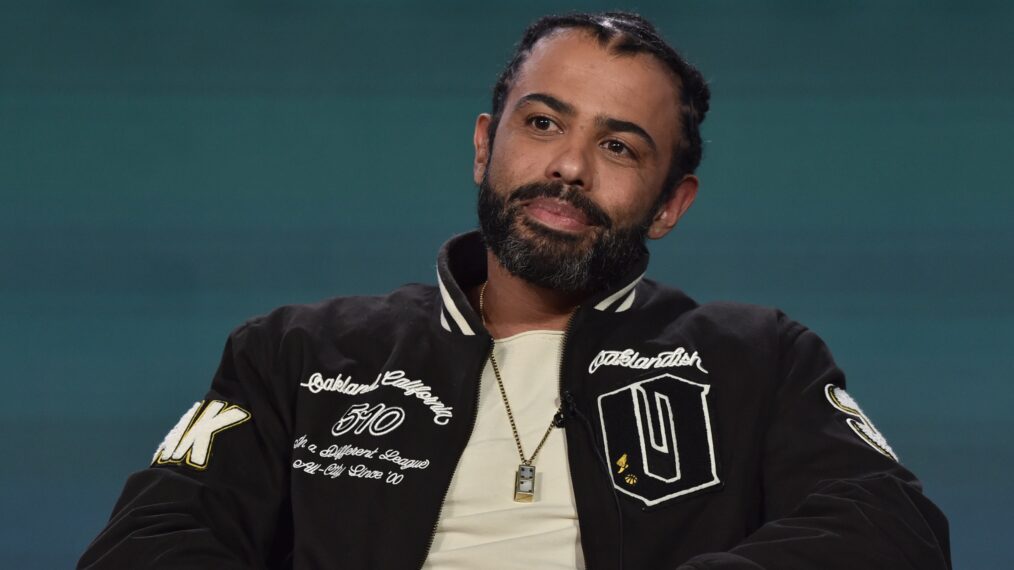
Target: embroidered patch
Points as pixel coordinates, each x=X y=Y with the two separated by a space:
x=379 y=419
x=630 y=358
x=859 y=423
x=658 y=439
x=340 y=384
x=190 y=439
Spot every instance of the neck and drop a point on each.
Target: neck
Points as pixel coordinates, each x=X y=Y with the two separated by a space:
x=513 y=305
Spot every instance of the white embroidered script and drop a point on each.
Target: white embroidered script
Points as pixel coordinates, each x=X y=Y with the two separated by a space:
x=441 y=413
x=317 y=383
x=630 y=358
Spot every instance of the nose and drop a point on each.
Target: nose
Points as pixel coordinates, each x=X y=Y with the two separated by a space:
x=570 y=165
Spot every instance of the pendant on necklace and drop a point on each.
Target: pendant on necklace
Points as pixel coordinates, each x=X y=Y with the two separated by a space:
x=524 y=484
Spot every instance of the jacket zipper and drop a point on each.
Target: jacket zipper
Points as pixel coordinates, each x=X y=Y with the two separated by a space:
x=560 y=416
x=447 y=489
x=567 y=402
x=572 y=407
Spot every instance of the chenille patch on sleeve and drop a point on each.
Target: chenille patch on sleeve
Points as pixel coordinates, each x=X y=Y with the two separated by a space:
x=189 y=441
x=857 y=420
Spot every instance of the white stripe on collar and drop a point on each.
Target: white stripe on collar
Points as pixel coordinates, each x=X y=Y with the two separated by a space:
x=604 y=304
x=626 y=304
x=453 y=310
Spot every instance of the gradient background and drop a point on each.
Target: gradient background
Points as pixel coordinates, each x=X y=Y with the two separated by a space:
x=168 y=170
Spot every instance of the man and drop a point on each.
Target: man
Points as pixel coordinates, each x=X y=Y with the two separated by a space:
x=544 y=405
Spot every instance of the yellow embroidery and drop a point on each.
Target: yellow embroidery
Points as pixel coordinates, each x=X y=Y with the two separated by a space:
x=622 y=463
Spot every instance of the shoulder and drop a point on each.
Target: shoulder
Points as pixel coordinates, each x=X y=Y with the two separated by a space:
x=728 y=320
x=341 y=317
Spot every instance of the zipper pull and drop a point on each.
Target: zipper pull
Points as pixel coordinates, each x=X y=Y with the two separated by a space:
x=569 y=408
x=569 y=399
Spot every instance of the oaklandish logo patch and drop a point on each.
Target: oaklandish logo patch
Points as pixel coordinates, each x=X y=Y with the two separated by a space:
x=658 y=439
x=630 y=358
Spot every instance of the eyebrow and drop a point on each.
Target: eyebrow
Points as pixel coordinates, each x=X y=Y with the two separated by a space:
x=549 y=101
x=618 y=126
x=608 y=123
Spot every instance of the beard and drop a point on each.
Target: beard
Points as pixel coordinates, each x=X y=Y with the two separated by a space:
x=557 y=260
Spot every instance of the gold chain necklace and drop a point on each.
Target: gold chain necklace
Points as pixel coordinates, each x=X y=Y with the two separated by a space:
x=524 y=479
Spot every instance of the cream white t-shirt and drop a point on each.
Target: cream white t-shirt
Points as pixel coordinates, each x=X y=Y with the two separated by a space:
x=480 y=524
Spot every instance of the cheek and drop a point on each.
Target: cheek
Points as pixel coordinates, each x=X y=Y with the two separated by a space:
x=625 y=194
x=512 y=163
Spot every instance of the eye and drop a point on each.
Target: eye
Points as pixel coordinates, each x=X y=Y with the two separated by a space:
x=543 y=123
x=618 y=148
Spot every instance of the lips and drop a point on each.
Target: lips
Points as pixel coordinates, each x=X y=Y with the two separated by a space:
x=557 y=214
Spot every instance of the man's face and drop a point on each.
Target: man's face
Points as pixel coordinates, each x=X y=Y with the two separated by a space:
x=571 y=187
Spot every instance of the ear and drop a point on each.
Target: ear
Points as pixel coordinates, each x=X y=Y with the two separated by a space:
x=673 y=209
x=480 y=140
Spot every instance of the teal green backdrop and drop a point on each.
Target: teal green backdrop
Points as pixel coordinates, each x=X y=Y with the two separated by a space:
x=169 y=169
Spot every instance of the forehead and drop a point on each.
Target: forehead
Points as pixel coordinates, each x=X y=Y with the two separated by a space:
x=573 y=66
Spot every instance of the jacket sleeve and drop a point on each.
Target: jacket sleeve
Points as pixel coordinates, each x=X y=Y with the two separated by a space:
x=835 y=495
x=216 y=493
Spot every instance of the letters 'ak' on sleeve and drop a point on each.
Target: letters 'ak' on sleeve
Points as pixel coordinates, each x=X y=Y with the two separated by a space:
x=214 y=494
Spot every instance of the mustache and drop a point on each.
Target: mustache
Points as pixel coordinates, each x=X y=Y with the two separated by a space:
x=566 y=193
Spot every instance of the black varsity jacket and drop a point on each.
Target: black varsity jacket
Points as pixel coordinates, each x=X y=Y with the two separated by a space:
x=699 y=436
